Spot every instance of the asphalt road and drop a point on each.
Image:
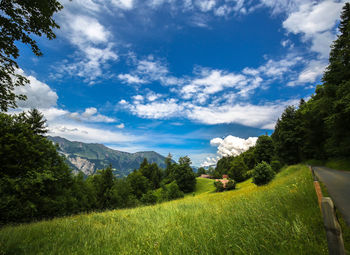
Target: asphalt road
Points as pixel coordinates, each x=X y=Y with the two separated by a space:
x=338 y=186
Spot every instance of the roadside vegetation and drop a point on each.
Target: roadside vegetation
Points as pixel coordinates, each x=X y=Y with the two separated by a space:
x=279 y=218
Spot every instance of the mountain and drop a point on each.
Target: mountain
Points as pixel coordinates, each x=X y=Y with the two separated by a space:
x=89 y=157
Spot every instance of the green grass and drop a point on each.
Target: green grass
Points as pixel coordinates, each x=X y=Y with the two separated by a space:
x=280 y=218
x=204 y=186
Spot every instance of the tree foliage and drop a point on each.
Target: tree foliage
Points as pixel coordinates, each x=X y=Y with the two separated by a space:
x=264 y=149
x=263 y=174
x=35 y=180
x=19 y=21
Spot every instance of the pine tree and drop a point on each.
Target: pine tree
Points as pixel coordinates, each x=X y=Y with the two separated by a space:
x=36 y=121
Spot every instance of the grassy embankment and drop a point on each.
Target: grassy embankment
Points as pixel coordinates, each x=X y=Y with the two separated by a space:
x=280 y=218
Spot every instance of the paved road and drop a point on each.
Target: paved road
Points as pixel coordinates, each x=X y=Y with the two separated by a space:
x=338 y=186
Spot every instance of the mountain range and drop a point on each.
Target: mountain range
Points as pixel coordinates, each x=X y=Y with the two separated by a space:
x=89 y=157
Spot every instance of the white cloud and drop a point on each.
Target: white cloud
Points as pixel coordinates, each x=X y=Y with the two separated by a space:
x=123 y=4
x=131 y=79
x=313 y=17
x=121 y=126
x=76 y=132
x=93 y=46
x=310 y=73
x=138 y=98
x=211 y=82
x=315 y=21
x=260 y=116
x=205 y=5
x=39 y=94
x=148 y=70
x=232 y=145
x=91 y=115
x=210 y=161
x=155 y=110
x=84 y=29
x=229 y=146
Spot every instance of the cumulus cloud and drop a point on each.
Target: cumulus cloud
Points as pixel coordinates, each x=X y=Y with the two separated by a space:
x=228 y=146
x=39 y=94
x=232 y=145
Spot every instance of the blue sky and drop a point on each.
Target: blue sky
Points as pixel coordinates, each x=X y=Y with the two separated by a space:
x=189 y=77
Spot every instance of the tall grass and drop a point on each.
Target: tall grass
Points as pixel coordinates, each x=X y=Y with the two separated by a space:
x=280 y=218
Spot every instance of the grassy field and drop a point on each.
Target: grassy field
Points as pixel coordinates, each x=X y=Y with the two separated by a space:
x=204 y=186
x=280 y=218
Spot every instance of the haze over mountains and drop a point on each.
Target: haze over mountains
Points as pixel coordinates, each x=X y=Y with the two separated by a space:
x=89 y=157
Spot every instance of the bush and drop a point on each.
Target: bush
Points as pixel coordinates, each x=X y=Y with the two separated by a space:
x=149 y=198
x=263 y=174
x=219 y=186
x=168 y=192
x=248 y=174
x=276 y=166
x=173 y=191
x=230 y=185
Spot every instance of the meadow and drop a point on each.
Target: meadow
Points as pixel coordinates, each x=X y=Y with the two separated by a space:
x=280 y=218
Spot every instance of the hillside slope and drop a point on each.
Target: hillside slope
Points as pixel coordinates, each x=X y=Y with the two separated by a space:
x=88 y=157
x=280 y=218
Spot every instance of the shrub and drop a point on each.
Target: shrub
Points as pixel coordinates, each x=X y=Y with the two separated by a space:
x=149 y=198
x=173 y=191
x=248 y=174
x=230 y=185
x=219 y=186
x=276 y=165
x=263 y=174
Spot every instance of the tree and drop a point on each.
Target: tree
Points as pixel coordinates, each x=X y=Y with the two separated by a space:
x=263 y=174
x=19 y=20
x=201 y=171
x=238 y=169
x=183 y=175
x=152 y=172
x=249 y=158
x=103 y=183
x=287 y=138
x=36 y=121
x=139 y=184
x=35 y=182
x=223 y=166
x=264 y=149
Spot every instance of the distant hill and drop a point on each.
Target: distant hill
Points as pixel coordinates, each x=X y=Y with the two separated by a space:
x=89 y=157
